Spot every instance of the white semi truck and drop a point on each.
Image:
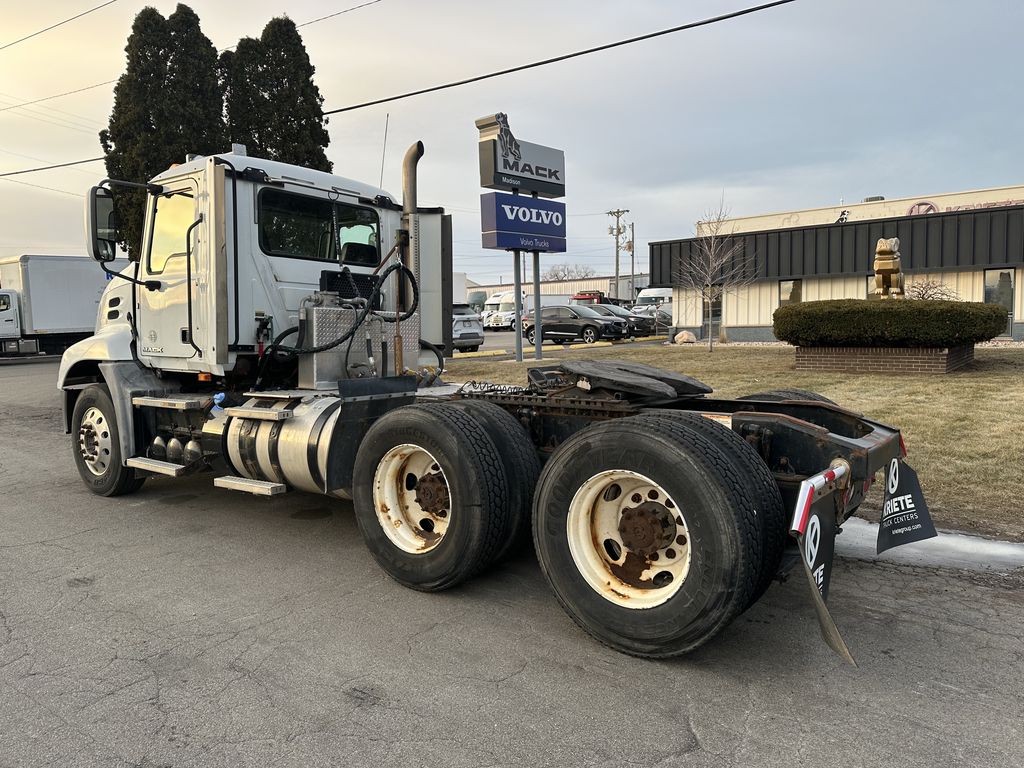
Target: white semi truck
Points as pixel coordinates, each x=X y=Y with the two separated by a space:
x=47 y=303
x=284 y=330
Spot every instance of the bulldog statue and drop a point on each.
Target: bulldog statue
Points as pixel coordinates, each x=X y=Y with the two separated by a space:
x=888 y=269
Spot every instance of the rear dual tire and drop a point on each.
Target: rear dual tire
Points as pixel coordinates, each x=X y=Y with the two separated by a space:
x=647 y=529
x=442 y=491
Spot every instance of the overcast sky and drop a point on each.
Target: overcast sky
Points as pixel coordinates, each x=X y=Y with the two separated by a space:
x=796 y=107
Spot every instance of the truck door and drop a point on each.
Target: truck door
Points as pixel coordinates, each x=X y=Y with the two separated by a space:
x=163 y=313
x=10 y=326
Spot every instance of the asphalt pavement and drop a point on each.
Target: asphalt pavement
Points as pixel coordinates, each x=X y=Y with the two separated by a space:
x=192 y=626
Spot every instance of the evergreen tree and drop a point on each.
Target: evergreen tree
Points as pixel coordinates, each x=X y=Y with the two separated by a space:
x=244 y=102
x=166 y=104
x=273 y=105
x=193 y=106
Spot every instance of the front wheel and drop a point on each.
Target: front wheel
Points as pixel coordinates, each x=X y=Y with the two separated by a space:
x=589 y=335
x=97 y=447
x=531 y=336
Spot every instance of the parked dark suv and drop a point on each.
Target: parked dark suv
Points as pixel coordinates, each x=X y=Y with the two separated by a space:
x=639 y=325
x=564 y=324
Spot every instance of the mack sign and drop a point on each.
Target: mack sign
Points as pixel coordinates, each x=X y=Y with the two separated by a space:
x=508 y=163
x=515 y=222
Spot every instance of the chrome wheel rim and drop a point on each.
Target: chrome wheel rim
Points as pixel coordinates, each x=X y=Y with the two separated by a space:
x=628 y=539
x=94 y=441
x=412 y=499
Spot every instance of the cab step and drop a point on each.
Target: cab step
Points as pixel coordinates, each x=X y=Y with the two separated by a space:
x=169 y=402
x=256 y=487
x=260 y=414
x=156 y=466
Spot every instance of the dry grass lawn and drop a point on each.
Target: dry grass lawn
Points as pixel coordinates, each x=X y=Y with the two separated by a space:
x=964 y=431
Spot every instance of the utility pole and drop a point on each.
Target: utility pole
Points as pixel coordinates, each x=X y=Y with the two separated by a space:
x=631 y=246
x=617 y=232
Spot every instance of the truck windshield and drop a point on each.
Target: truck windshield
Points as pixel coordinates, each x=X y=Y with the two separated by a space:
x=304 y=227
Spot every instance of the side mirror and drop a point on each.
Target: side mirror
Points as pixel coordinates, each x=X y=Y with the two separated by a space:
x=101 y=225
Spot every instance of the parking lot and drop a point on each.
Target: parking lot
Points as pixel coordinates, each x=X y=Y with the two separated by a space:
x=192 y=626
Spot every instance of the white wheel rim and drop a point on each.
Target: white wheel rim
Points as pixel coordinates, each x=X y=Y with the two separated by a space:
x=617 y=512
x=412 y=499
x=94 y=442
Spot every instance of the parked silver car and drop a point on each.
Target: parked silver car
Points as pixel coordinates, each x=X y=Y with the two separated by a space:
x=467 y=330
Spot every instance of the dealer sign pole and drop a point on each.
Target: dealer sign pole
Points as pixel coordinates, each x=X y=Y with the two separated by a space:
x=517 y=322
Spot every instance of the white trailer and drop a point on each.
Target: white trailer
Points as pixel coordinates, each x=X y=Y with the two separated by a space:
x=47 y=303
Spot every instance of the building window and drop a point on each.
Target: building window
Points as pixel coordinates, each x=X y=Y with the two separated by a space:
x=999 y=290
x=790 y=292
x=871 y=295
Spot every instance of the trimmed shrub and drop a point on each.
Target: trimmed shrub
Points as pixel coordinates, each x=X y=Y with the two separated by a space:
x=888 y=323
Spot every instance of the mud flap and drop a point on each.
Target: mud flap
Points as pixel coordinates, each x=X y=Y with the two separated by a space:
x=905 y=517
x=817 y=547
x=814 y=525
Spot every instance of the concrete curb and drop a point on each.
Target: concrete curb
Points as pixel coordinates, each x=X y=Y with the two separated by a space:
x=590 y=346
x=947 y=550
x=479 y=353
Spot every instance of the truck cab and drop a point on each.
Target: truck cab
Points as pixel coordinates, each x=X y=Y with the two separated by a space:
x=234 y=246
x=10 y=322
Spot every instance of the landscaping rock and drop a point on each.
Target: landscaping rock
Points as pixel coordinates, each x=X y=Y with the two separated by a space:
x=685 y=337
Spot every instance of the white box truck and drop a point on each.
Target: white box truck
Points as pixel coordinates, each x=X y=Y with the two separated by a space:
x=47 y=303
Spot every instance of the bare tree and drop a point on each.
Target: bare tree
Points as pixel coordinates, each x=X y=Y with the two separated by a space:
x=568 y=272
x=931 y=289
x=717 y=263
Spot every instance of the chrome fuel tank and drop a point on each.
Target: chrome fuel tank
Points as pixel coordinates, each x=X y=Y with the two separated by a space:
x=283 y=439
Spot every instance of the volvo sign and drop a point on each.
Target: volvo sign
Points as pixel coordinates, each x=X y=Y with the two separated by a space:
x=516 y=222
x=510 y=164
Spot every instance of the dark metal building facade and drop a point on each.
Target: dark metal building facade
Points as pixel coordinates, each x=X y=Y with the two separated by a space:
x=960 y=240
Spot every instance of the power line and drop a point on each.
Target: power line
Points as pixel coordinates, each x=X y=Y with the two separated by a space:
x=57 y=95
x=43 y=160
x=564 y=57
x=48 y=167
x=40 y=186
x=58 y=24
x=9 y=97
x=339 y=13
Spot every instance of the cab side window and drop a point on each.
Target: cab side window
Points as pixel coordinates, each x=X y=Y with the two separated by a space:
x=175 y=213
x=5 y=303
x=305 y=227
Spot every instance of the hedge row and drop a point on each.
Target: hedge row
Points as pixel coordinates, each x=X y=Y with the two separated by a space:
x=888 y=323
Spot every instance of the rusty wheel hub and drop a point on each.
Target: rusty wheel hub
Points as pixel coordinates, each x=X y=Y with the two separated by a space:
x=432 y=493
x=647 y=528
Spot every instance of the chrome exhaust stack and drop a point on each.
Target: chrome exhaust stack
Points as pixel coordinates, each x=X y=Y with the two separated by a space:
x=412 y=157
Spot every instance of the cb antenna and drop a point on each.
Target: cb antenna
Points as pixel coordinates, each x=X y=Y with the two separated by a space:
x=384 y=149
